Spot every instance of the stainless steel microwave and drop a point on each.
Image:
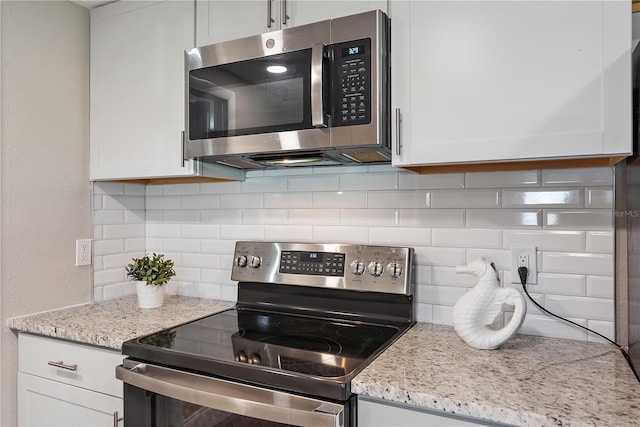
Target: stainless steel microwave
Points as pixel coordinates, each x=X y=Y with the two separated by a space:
x=316 y=94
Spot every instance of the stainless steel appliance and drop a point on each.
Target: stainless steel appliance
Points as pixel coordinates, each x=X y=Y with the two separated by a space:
x=316 y=94
x=309 y=317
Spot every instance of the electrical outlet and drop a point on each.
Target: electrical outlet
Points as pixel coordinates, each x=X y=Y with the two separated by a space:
x=83 y=252
x=524 y=257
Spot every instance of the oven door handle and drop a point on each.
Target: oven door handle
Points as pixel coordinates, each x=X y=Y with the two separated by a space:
x=318 y=117
x=237 y=398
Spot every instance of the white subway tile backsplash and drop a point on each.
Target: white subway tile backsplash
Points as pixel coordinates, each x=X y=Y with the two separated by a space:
x=465 y=199
x=501 y=258
x=180 y=189
x=581 y=263
x=134 y=217
x=135 y=189
x=137 y=244
x=108 y=217
x=578 y=219
x=504 y=218
x=116 y=231
x=600 y=241
x=340 y=234
x=314 y=183
x=163 y=202
x=200 y=260
x=242 y=232
x=552 y=240
x=369 y=217
x=199 y=231
x=289 y=233
x=163 y=230
x=400 y=236
x=201 y=201
x=229 y=187
x=287 y=200
x=557 y=197
x=314 y=216
x=369 y=181
x=580 y=307
x=604 y=328
x=241 y=200
x=578 y=176
x=432 y=218
x=398 y=199
x=221 y=216
x=530 y=178
x=264 y=216
x=599 y=198
x=600 y=287
x=560 y=284
x=466 y=238
x=264 y=184
x=340 y=199
x=549 y=327
x=412 y=181
x=122 y=202
x=440 y=256
x=449 y=219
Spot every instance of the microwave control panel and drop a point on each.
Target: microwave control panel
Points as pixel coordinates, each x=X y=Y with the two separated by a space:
x=352 y=82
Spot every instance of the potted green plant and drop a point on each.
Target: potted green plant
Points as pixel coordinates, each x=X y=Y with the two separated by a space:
x=150 y=275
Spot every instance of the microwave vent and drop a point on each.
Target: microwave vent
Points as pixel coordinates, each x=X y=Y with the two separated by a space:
x=240 y=163
x=367 y=156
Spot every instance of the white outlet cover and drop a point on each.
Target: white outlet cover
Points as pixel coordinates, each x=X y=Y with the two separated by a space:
x=532 y=254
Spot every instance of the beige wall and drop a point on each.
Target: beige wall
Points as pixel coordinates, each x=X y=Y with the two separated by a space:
x=45 y=201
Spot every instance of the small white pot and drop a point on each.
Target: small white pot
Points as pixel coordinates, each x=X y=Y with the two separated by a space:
x=149 y=296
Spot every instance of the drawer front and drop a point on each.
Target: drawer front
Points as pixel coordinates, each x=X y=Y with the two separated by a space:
x=55 y=359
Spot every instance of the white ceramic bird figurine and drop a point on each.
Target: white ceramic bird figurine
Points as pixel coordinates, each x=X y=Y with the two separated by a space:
x=477 y=309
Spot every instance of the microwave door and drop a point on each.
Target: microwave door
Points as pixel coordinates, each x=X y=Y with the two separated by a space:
x=260 y=96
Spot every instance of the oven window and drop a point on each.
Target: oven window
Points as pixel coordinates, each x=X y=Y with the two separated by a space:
x=261 y=95
x=175 y=413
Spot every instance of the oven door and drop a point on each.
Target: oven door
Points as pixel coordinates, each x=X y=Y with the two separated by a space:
x=158 y=396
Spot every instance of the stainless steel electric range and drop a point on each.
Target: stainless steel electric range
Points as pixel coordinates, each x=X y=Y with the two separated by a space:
x=309 y=317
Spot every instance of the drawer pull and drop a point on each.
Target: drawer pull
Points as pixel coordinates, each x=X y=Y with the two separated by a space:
x=60 y=364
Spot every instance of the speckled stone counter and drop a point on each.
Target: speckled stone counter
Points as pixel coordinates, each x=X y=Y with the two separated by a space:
x=529 y=381
x=110 y=323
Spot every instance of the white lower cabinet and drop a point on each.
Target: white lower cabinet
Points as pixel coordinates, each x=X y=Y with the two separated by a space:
x=62 y=383
x=378 y=413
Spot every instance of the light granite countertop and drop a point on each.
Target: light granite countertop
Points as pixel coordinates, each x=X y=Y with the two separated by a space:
x=112 y=322
x=529 y=381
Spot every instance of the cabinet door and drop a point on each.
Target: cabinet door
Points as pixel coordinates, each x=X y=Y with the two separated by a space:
x=373 y=413
x=303 y=12
x=137 y=88
x=480 y=81
x=43 y=402
x=221 y=20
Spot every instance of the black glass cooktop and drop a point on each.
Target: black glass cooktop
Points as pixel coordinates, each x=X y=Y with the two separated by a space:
x=258 y=339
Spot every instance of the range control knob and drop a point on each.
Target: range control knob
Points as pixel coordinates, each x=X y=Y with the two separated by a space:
x=395 y=269
x=357 y=267
x=242 y=357
x=241 y=261
x=255 y=359
x=376 y=268
x=255 y=261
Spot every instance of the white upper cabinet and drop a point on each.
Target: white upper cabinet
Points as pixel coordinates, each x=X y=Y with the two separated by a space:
x=480 y=81
x=137 y=91
x=222 y=20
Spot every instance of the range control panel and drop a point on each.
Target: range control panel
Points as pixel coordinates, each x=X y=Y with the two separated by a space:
x=338 y=266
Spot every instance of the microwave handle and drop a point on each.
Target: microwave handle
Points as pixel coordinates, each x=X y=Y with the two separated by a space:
x=232 y=397
x=318 y=117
